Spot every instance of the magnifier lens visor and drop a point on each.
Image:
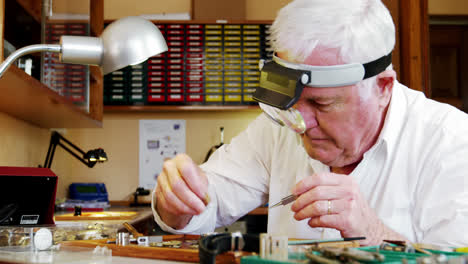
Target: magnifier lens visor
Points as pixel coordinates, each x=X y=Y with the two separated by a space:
x=291 y=117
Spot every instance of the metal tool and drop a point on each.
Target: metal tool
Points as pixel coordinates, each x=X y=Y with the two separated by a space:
x=147 y=240
x=132 y=230
x=319 y=241
x=286 y=200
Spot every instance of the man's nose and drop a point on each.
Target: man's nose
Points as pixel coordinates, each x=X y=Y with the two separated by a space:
x=308 y=113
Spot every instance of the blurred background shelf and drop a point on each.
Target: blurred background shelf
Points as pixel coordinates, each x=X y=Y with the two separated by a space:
x=25 y=98
x=178 y=108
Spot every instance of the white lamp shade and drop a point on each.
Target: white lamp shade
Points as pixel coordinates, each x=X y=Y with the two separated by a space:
x=128 y=41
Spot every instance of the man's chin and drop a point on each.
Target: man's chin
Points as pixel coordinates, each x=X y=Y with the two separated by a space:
x=326 y=156
x=320 y=156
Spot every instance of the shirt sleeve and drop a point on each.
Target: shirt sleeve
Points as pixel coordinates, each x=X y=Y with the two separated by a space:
x=441 y=203
x=238 y=176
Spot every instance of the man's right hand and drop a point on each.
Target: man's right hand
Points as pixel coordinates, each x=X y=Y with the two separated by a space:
x=182 y=191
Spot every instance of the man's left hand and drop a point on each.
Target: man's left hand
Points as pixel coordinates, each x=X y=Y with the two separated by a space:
x=334 y=201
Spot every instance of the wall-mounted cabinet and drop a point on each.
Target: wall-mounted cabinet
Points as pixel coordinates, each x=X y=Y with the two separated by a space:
x=449 y=60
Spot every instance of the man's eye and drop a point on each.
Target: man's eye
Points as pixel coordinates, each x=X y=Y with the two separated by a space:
x=323 y=104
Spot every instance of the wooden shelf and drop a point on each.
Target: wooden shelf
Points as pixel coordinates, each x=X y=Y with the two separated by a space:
x=259 y=211
x=26 y=98
x=178 y=108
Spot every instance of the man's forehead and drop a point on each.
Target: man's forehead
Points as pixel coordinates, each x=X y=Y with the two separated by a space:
x=320 y=56
x=314 y=93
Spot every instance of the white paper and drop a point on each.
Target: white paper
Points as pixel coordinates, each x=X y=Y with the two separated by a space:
x=159 y=140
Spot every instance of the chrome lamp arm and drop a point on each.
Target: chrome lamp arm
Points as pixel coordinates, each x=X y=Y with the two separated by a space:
x=28 y=50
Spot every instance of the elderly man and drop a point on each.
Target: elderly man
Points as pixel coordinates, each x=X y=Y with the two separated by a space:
x=365 y=155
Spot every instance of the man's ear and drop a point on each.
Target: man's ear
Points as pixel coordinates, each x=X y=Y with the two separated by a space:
x=385 y=81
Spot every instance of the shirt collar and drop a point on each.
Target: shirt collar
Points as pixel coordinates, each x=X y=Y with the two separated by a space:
x=395 y=117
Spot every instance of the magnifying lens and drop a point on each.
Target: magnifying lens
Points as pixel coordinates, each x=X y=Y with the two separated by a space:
x=282 y=82
x=291 y=117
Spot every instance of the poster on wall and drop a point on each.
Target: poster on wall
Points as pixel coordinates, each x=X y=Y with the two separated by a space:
x=159 y=140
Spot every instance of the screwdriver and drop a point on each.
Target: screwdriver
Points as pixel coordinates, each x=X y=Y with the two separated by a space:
x=285 y=200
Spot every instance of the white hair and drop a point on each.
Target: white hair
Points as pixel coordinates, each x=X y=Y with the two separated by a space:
x=361 y=30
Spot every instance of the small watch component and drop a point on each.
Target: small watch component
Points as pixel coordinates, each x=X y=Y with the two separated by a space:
x=273 y=247
x=43 y=239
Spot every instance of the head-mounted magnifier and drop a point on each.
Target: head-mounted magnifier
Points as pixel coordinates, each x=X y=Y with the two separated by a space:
x=281 y=84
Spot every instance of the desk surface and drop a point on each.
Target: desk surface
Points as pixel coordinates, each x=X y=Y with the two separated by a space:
x=50 y=258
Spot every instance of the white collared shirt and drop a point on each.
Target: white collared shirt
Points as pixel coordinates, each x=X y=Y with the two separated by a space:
x=415 y=177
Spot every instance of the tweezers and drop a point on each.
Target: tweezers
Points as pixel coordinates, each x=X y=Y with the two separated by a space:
x=285 y=200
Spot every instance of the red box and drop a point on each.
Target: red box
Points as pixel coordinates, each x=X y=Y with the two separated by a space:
x=156 y=85
x=195 y=32
x=57 y=32
x=76 y=85
x=192 y=26
x=156 y=98
x=194 y=55
x=195 y=98
x=156 y=61
x=195 y=43
x=155 y=73
x=175 y=67
x=194 y=61
x=175 y=26
x=75 y=73
x=175 y=85
x=156 y=67
x=56 y=66
x=175 y=55
x=76 y=26
x=175 y=91
x=194 y=38
x=175 y=73
x=76 y=91
x=175 y=61
x=175 y=38
x=57 y=26
x=160 y=91
x=76 y=67
x=175 y=32
x=194 y=78
x=175 y=43
x=172 y=49
x=76 y=79
x=77 y=32
x=192 y=49
x=31 y=201
x=175 y=98
x=195 y=90
x=194 y=85
x=194 y=73
x=175 y=79
x=196 y=67
x=156 y=79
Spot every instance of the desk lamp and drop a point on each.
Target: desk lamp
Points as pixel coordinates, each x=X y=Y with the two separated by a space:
x=89 y=158
x=127 y=41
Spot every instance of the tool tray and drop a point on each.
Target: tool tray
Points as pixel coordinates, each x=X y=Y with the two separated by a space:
x=390 y=257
